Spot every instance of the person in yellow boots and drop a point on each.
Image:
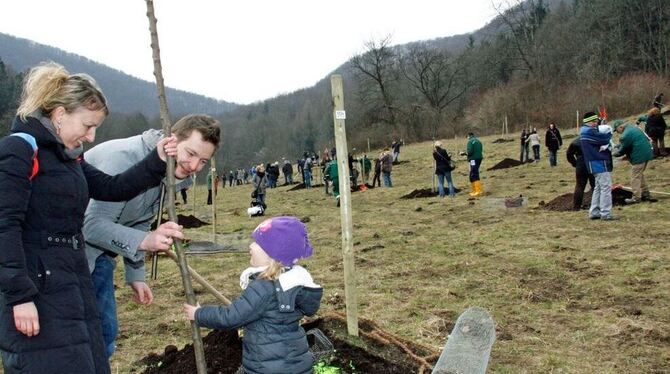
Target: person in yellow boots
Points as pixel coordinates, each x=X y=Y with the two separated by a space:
x=475 y=156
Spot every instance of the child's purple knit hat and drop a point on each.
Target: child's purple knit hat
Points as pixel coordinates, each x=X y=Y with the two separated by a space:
x=284 y=239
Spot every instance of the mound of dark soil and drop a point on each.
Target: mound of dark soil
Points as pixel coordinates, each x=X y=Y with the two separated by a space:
x=301 y=186
x=190 y=221
x=506 y=163
x=424 y=192
x=501 y=140
x=563 y=203
x=383 y=352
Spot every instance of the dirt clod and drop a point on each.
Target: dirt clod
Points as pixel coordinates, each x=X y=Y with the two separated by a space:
x=506 y=163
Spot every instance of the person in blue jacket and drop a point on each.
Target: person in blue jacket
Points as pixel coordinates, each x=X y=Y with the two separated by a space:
x=49 y=322
x=277 y=294
x=597 y=155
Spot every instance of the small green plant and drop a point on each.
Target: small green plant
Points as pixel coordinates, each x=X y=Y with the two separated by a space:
x=323 y=367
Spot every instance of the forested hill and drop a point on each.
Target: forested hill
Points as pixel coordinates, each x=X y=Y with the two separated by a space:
x=126 y=94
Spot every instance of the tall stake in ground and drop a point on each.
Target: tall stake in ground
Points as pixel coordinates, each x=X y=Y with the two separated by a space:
x=350 y=293
x=172 y=213
x=212 y=170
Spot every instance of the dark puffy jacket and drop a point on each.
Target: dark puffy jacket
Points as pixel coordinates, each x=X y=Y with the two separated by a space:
x=553 y=140
x=42 y=255
x=287 y=169
x=656 y=126
x=441 y=161
x=274 y=341
x=575 y=157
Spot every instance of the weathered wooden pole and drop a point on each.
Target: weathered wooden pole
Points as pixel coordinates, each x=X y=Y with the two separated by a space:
x=154 y=257
x=195 y=184
x=212 y=170
x=577 y=121
x=350 y=293
x=198 y=348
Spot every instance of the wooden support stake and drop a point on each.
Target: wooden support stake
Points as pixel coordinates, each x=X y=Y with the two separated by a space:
x=198 y=348
x=198 y=278
x=212 y=170
x=577 y=120
x=350 y=293
x=154 y=257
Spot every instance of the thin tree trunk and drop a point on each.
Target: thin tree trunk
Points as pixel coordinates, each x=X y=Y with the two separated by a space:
x=198 y=348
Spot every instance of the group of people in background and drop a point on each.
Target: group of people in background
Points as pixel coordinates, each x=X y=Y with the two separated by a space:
x=531 y=139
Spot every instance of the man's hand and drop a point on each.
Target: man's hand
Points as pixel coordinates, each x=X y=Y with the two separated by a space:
x=167 y=147
x=189 y=311
x=142 y=292
x=160 y=240
x=26 y=319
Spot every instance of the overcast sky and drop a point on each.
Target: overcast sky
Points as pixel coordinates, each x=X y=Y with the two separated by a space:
x=240 y=51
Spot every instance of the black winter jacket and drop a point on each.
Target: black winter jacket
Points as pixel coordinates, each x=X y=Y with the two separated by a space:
x=42 y=255
x=656 y=126
x=553 y=140
x=576 y=158
x=274 y=341
x=441 y=161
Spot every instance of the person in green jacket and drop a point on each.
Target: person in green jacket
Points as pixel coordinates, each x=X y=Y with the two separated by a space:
x=332 y=174
x=636 y=145
x=366 y=166
x=475 y=155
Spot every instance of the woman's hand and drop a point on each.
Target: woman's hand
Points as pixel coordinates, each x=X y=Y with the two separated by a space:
x=189 y=311
x=26 y=319
x=167 y=147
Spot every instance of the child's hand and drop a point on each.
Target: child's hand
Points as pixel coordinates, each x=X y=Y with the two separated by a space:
x=189 y=311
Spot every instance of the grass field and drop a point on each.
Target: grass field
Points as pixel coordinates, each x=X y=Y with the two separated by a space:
x=568 y=295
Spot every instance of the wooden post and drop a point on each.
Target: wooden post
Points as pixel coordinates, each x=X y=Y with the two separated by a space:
x=198 y=348
x=368 y=145
x=195 y=184
x=577 y=120
x=212 y=169
x=350 y=293
x=154 y=257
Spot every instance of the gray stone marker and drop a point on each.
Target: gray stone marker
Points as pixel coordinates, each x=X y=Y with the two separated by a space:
x=469 y=346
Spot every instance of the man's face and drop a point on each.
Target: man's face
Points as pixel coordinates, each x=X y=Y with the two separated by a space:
x=192 y=154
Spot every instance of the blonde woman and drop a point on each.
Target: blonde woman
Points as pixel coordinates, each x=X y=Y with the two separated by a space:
x=48 y=317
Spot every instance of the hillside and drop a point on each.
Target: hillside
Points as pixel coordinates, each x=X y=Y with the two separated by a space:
x=567 y=294
x=126 y=94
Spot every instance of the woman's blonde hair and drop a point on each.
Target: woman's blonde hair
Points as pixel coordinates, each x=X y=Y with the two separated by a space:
x=274 y=270
x=437 y=144
x=49 y=85
x=653 y=111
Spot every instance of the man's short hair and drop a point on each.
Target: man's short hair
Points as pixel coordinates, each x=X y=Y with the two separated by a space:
x=206 y=125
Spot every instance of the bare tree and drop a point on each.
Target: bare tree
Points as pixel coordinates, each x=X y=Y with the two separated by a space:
x=523 y=19
x=376 y=72
x=439 y=78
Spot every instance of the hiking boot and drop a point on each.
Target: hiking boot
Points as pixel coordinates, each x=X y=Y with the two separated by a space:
x=648 y=198
x=632 y=200
x=338 y=201
x=594 y=217
x=609 y=218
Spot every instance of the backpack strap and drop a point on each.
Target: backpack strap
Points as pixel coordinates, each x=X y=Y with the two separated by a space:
x=33 y=144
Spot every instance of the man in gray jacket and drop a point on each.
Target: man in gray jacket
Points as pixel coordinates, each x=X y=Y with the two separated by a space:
x=122 y=228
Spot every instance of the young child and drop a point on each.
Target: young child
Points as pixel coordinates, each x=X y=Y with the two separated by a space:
x=277 y=294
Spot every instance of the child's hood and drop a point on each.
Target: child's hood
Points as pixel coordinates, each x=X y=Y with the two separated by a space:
x=296 y=290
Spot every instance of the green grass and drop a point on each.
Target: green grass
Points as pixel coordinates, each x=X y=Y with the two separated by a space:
x=568 y=295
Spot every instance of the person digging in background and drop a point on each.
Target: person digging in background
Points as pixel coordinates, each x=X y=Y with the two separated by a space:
x=534 y=140
x=523 y=155
x=553 y=141
x=332 y=174
x=442 y=169
x=582 y=176
x=655 y=127
x=598 y=158
x=634 y=144
x=277 y=294
x=475 y=154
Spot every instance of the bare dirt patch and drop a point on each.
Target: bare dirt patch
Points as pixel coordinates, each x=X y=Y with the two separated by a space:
x=505 y=164
x=376 y=351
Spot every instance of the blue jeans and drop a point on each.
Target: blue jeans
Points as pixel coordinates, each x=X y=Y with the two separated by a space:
x=552 y=158
x=260 y=198
x=308 y=178
x=103 y=284
x=387 y=178
x=536 y=152
x=440 y=184
x=601 y=200
x=289 y=178
x=474 y=170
